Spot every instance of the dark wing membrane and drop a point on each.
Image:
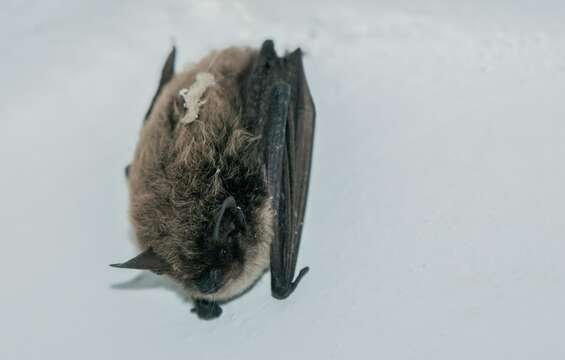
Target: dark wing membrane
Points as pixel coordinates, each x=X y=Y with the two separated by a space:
x=279 y=103
x=167 y=74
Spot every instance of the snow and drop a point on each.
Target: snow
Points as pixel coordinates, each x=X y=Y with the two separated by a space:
x=193 y=95
x=434 y=227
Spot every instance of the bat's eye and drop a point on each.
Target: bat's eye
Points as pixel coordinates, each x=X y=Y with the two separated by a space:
x=225 y=256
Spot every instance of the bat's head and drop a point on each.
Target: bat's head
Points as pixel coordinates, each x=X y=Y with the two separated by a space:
x=222 y=255
x=222 y=252
x=198 y=199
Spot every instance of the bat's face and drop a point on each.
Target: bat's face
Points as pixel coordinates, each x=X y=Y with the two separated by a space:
x=218 y=256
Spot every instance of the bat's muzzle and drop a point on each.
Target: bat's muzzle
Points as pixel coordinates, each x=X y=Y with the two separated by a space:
x=210 y=282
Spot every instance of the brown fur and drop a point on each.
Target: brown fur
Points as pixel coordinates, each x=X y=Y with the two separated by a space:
x=180 y=173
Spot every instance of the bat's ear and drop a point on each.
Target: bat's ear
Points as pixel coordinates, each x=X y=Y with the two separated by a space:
x=147 y=260
x=237 y=217
x=167 y=73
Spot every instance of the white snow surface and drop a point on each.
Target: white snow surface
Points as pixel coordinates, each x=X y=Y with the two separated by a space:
x=434 y=227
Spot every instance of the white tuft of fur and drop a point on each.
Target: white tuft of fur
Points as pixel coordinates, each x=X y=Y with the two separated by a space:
x=193 y=95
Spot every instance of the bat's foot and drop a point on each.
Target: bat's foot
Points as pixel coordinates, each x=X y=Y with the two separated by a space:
x=206 y=310
x=283 y=290
x=127 y=171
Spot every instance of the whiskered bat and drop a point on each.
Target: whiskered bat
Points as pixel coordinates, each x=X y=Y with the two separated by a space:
x=219 y=179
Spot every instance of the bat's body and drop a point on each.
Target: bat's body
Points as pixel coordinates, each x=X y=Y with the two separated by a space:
x=219 y=180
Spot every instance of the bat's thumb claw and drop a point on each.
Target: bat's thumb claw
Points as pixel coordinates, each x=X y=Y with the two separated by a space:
x=282 y=291
x=301 y=274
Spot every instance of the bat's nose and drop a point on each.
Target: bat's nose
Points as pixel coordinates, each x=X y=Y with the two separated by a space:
x=210 y=282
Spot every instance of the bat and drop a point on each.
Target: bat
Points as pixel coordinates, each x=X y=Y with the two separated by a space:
x=219 y=180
